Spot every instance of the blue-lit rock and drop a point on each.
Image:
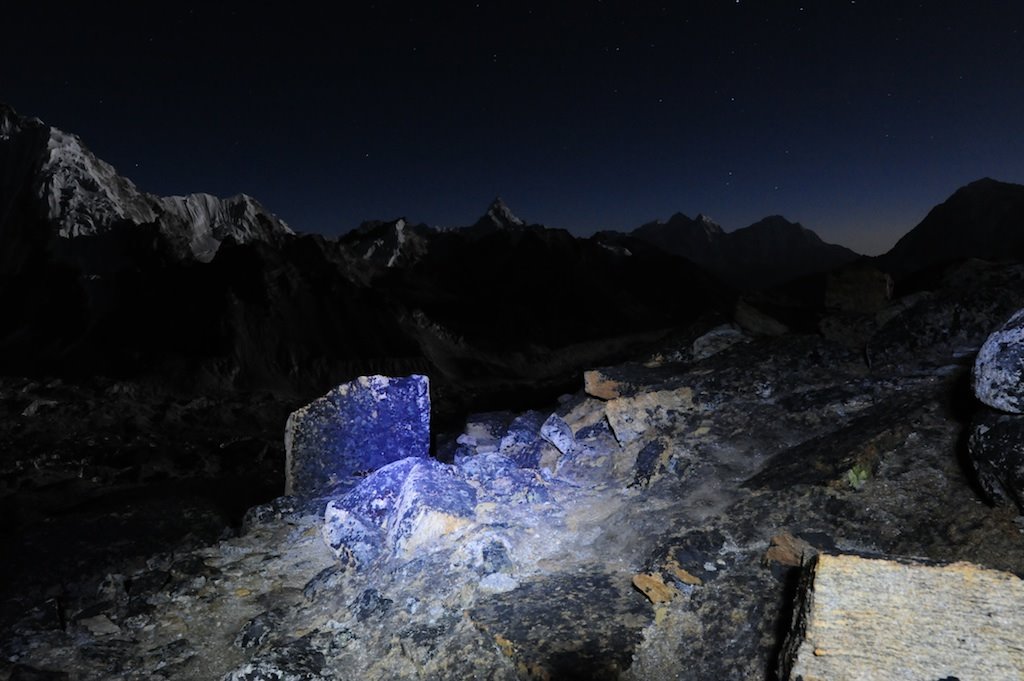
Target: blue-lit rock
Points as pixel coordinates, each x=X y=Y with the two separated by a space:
x=999 y=367
x=398 y=510
x=354 y=429
x=556 y=431
x=434 y=503
x=503 y=480
x=355 y=542
x=522 y=442
x=354 y=524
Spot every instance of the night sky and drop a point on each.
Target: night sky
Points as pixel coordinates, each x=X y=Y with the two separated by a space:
x=853 y=118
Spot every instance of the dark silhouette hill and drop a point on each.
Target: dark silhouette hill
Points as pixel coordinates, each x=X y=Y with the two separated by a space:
x=984 y=219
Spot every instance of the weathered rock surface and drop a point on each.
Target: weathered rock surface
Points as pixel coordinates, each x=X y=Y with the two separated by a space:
x=880 y=619
x=355 y=429
x=999 y=368
x=996 y=446
x=952 y=323
x=859 y=288
x=663 y=540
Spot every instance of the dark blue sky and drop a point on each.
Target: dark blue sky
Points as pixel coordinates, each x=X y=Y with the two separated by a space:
x=853 y=118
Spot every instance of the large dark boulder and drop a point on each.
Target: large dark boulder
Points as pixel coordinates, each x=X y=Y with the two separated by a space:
x=996 y=446
x=999 y=367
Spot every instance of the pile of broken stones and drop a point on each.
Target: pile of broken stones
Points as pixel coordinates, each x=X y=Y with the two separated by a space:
x=654 y=525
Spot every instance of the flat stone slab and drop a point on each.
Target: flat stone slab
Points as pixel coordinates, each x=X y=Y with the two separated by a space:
x=863 y=618
x=355 y=429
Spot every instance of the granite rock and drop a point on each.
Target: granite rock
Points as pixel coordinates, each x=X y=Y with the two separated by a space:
x=996 y=446
x=354 y=429
x=949 y=325
x=672 y=554
x=999 y=368
x=556 y=431
x=397 y=511
x=434 y=503
x=297 y=660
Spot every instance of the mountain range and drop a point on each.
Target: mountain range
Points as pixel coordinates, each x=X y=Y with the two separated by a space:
x=97 y=276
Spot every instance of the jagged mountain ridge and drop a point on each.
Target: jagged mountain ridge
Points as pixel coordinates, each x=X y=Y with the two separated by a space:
x=764 y=254
x=498 y=217
x=497 y=299
x=101 y=278
x=51 y=176
x=383 y=244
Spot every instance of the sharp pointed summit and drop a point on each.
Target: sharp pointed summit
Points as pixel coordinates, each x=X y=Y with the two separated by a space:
x=499 y=217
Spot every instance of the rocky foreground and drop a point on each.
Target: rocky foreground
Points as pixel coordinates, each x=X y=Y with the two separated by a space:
x=653 y=525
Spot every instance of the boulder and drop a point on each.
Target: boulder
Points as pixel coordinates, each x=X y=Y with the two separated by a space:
x=755 y=321
x=354 y=429
x=302 y=659
x=951 y=324
x=484 y=431
x=608 y=383
x=398 y=510
x=862 y=618
x=858 y=288
x=999 y=367
x=433 y=504
x=996 y=446
x=716 y=340
x=584 y=625
x=503 y=479
x=556 y=431
x=631 y=417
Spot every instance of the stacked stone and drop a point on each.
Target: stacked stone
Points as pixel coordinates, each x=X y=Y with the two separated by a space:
x=996 y=442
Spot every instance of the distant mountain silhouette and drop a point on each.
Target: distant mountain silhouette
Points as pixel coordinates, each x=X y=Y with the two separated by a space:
x=98 y=277
x=762 y=255
x=498 y=217
x=697 y=239
x=984 y=219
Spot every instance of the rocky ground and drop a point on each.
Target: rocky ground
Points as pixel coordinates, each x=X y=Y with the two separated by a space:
x=651 y=526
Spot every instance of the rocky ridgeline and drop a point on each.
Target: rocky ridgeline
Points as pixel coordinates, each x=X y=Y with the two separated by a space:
x=651 y=526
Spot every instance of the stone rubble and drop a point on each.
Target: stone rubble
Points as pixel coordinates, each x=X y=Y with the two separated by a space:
x=651 y=526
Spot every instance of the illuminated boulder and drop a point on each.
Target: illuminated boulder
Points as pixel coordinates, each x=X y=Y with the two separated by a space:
x=354 y=524
x=999 y=367
x=354 y=429
x=434 y=504
x=556 y=431
x=401 y=510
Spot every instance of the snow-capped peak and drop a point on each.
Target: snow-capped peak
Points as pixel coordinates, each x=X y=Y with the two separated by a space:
x=206 y=221
x=499 y=216
x=400 y=239
x=82 y=195
x=10 y=121
x=85 y=195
